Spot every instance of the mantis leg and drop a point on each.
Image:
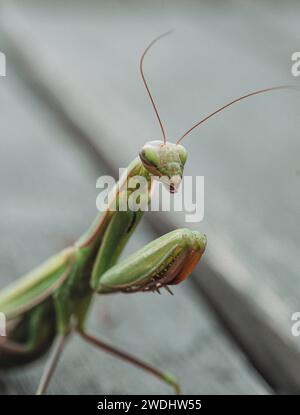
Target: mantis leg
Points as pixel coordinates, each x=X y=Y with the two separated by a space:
x=63 y=316
x=12 y=347
x=165 y=261
x=165 y=377
x=29 y=338
x=51 y=363
x=115 y=238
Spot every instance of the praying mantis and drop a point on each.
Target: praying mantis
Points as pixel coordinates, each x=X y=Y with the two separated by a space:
x=49 y=303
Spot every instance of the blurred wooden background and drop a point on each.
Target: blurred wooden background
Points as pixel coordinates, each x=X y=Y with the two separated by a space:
x=73 y=108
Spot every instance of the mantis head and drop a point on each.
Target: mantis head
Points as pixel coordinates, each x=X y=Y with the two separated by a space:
x=165 y=161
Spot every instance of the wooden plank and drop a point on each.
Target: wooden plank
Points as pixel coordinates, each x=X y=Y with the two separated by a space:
x=48 y=199
x=252 y=238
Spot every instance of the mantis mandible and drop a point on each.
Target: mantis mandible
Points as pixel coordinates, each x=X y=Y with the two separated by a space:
x=49 y=303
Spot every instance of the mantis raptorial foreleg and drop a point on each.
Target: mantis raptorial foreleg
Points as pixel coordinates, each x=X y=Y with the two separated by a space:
x=164 y=261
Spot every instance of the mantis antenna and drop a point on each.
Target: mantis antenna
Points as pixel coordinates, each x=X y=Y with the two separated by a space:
x=146 y=85
x=260 y=91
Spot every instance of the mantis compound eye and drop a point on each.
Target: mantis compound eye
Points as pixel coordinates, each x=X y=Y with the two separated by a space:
x=182 y=154
x=150 y=156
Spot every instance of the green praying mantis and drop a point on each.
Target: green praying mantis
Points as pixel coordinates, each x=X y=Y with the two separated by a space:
x=49 y=303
